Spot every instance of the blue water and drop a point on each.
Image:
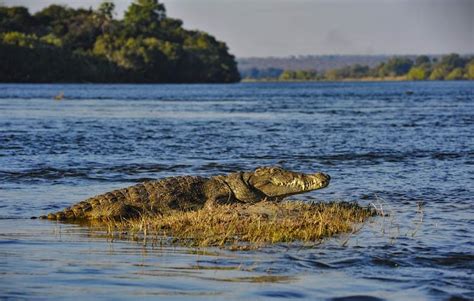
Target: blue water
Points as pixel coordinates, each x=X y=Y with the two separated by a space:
x=411 y=154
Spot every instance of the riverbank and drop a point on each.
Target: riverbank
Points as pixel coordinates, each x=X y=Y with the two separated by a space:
x=363 y=79
x=448 y=67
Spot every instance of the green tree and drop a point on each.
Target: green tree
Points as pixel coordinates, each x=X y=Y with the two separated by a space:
x=452 y=61
x=106 y=9
x=125 y=52
x=449 y=67
x=20 y=39
x=144 y=17
x=396 y=66
x=470 y=70
x=359 y=71
x=287 y=75
x=15 y=18
x=438 y=73
x=51 y=39
x=53 y=19
x=422 y=60
x=331 y=75
x=417 y=73
x=455 y=74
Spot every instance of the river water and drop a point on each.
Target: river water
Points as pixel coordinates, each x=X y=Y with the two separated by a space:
x=407 y=148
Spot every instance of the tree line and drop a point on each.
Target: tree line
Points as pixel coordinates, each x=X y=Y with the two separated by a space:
x=62 y=44
x=447 y=67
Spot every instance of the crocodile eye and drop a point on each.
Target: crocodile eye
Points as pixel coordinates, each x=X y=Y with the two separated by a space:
x=260 y=170
x=275 y=169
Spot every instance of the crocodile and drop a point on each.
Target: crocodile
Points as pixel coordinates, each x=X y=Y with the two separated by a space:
x=192 y=193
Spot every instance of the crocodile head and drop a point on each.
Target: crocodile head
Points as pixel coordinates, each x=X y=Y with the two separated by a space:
x=277 y=183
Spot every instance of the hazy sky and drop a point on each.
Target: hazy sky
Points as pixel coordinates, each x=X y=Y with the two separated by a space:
x=300 y=27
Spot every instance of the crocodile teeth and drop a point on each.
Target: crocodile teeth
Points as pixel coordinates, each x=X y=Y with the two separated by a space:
x=301 y=184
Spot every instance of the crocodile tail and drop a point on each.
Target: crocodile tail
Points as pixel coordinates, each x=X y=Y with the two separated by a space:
x=77 y=211
x=111 y=205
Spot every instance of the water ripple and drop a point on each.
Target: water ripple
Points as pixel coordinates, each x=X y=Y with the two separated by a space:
x=410 y=155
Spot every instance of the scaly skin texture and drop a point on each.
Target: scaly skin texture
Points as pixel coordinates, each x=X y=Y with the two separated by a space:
x=192 y=193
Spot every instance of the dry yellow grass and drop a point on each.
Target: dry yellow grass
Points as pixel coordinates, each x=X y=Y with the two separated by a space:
x=243 y=226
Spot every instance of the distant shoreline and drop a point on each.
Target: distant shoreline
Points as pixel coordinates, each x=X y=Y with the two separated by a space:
x=367 y=79
x=244 y=81
x=398 y=68
x=362 y=80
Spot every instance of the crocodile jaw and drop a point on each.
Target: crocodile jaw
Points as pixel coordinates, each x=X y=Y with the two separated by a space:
x=279 y=183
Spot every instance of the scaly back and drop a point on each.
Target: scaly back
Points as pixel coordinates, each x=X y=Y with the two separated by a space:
x=152 y=197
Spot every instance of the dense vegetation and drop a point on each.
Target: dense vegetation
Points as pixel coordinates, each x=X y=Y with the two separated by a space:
x=448 y=67
x=61 y=44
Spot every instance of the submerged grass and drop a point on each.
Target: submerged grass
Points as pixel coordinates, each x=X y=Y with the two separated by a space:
x=241 y=226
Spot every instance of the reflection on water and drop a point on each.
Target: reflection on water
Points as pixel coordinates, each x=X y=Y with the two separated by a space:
x=67 y=261
x=409 y=155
